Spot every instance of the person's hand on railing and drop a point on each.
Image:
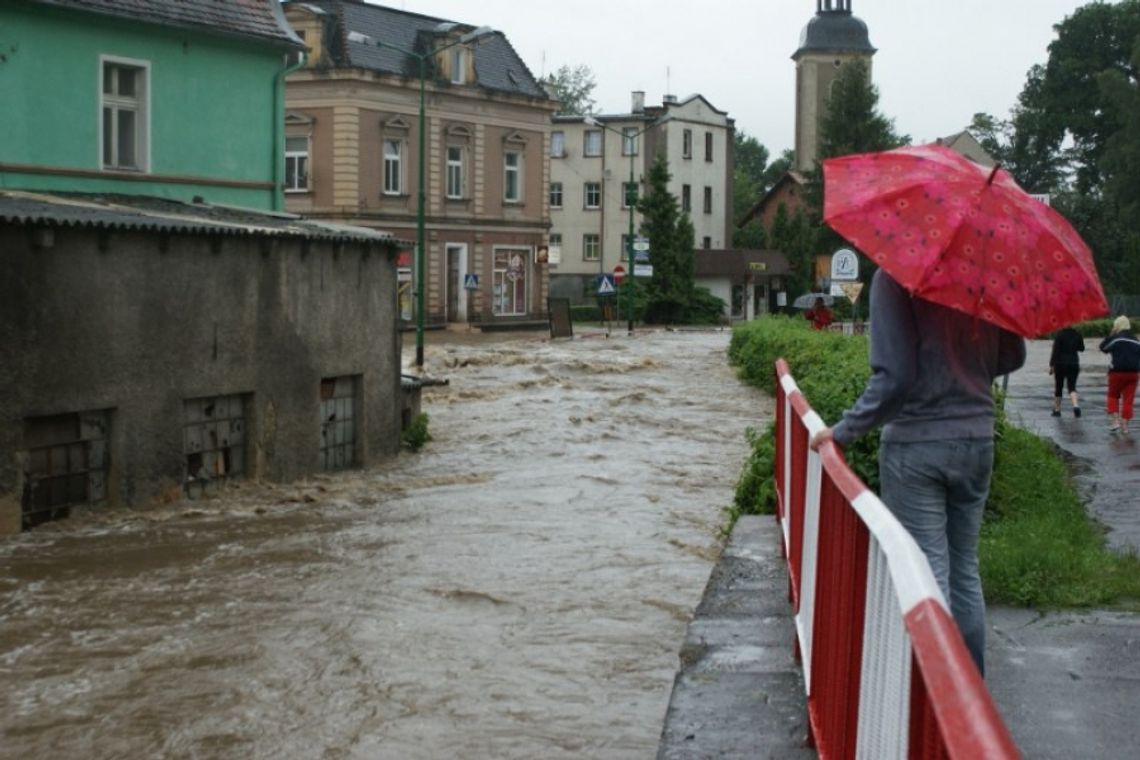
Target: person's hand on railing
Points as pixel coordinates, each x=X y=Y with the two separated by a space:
x=820 y=438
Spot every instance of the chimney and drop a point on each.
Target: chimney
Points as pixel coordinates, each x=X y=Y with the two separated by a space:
x=637 y=101
x=669 y=99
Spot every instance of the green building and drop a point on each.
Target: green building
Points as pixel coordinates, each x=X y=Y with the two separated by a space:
x=178 y=99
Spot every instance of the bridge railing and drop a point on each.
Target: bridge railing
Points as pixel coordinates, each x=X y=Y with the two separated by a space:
x=886 y=671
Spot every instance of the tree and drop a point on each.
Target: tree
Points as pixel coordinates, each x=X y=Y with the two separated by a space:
x=671 y=296
x=1075 y=135
x=852 y=122
x=751 y=160
x=573 y=87
x=1064 y=99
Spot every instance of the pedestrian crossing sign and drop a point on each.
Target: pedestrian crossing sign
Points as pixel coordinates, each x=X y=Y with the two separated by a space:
x=605 y=285
x=471 y=282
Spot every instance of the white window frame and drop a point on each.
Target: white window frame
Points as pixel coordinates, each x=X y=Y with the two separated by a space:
x=592 y=136
x=596 y=187
x=629 y=140
x=456 y=176
x=554 y=239
x=517 y=172
x=298 y=156
x=500 y=281
x=687 y=143
x=556 y=190
x=458 y=60
x=392 y=178
x=596 y=240
x=140 y=104
x=558 y=144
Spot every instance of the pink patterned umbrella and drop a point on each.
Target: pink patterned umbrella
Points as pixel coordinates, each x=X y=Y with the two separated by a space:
x=965 y=236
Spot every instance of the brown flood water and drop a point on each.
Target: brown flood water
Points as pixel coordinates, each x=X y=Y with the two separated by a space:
x=519 y=589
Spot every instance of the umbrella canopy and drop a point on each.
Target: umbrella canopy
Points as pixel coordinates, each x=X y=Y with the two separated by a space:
x=965 y=236
x=807 y=300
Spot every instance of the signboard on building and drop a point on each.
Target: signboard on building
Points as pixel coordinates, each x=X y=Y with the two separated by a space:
x=471 y=282
x=844 y=265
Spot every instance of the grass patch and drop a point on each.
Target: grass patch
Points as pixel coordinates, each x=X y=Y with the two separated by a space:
x=1039 y=547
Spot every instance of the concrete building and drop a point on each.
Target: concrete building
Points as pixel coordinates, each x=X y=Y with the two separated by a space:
x=746 y=280
x=169 y=98
x=163 y=331
x=353 y=130
x=590 y=167
x=833 y=38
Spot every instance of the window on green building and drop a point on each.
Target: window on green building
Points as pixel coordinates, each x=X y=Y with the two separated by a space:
x=124 y=114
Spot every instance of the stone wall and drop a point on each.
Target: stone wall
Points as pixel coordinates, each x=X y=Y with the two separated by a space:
x=133 y=325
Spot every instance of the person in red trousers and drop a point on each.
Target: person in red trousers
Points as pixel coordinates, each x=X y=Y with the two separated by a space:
x=1123 y=371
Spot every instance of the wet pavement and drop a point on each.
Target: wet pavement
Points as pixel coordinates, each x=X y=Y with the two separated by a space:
x=518 y=589
x=1068 y=683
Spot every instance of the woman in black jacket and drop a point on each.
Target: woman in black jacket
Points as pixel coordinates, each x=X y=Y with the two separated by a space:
x=1122 y=372
x=1064 y=366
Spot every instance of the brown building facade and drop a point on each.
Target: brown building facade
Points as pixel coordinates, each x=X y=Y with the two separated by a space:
x=353 y=150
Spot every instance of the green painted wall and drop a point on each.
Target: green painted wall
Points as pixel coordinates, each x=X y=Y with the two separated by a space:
x=215 y=108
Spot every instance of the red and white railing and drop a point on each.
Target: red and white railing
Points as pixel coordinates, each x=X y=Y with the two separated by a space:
x=886 y=670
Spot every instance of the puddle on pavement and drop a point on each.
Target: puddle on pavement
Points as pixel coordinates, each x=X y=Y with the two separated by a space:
x=518 y=589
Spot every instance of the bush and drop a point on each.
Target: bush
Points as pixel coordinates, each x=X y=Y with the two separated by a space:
x=1038 y=545
x=1096 y=328
x=416 y=434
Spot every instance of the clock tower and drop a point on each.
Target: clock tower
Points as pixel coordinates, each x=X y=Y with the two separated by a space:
x=832 y=39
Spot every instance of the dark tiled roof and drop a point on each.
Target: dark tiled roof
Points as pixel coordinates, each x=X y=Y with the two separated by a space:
x=733 y=261
x=262 y=19
x=497 y=66
x=146 y=214
x=835 y=31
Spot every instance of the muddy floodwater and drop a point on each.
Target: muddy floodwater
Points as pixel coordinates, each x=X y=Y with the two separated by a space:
x=518 y=589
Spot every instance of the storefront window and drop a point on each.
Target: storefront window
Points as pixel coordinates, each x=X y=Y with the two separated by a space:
x=509 y=280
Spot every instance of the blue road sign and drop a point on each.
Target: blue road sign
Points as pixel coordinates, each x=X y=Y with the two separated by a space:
x=471 y=282
x=605 y=285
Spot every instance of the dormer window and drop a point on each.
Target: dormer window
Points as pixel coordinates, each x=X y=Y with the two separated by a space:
x=457 y=62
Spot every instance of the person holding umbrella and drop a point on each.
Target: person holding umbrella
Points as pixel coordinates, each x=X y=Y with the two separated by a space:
x=819 y=315
x=1122 y=373
x=968 y=264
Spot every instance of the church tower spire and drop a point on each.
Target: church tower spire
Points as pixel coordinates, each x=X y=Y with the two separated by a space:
x=832 y=38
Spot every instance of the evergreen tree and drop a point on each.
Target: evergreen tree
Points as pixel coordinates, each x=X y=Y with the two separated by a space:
x=670 y=234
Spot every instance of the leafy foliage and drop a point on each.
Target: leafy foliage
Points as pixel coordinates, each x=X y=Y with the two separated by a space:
x=573 y=87
x=1075 y=133
x=670 y=297
x=1038 y=545
x=416 y=435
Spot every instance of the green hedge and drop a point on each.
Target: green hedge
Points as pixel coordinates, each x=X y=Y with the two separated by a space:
x=1097 y=328
x=1038 y=546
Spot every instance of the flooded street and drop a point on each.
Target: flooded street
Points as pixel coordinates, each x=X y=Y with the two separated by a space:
x=518 y=589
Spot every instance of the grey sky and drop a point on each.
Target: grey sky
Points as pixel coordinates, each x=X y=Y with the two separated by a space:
x=939 y=61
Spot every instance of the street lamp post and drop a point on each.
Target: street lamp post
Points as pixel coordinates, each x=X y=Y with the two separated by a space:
x=629 y=201
x=419 y=272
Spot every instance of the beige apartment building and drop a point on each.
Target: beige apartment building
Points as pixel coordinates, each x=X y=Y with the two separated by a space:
x=590 y=166
x=352 y=150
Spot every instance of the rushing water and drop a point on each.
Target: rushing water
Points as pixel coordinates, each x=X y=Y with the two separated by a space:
x=518 y=589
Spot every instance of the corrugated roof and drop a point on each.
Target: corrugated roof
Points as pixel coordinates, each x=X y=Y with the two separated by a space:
x=160 y=215
x=261 y=19
x=498 y=66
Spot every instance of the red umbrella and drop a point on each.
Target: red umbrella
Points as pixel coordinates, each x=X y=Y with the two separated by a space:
x=965 y=236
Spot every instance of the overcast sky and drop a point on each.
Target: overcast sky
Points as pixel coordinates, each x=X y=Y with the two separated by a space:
x=938 y=61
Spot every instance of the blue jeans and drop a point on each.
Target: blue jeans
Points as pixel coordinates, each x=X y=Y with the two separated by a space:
x=938 y=491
